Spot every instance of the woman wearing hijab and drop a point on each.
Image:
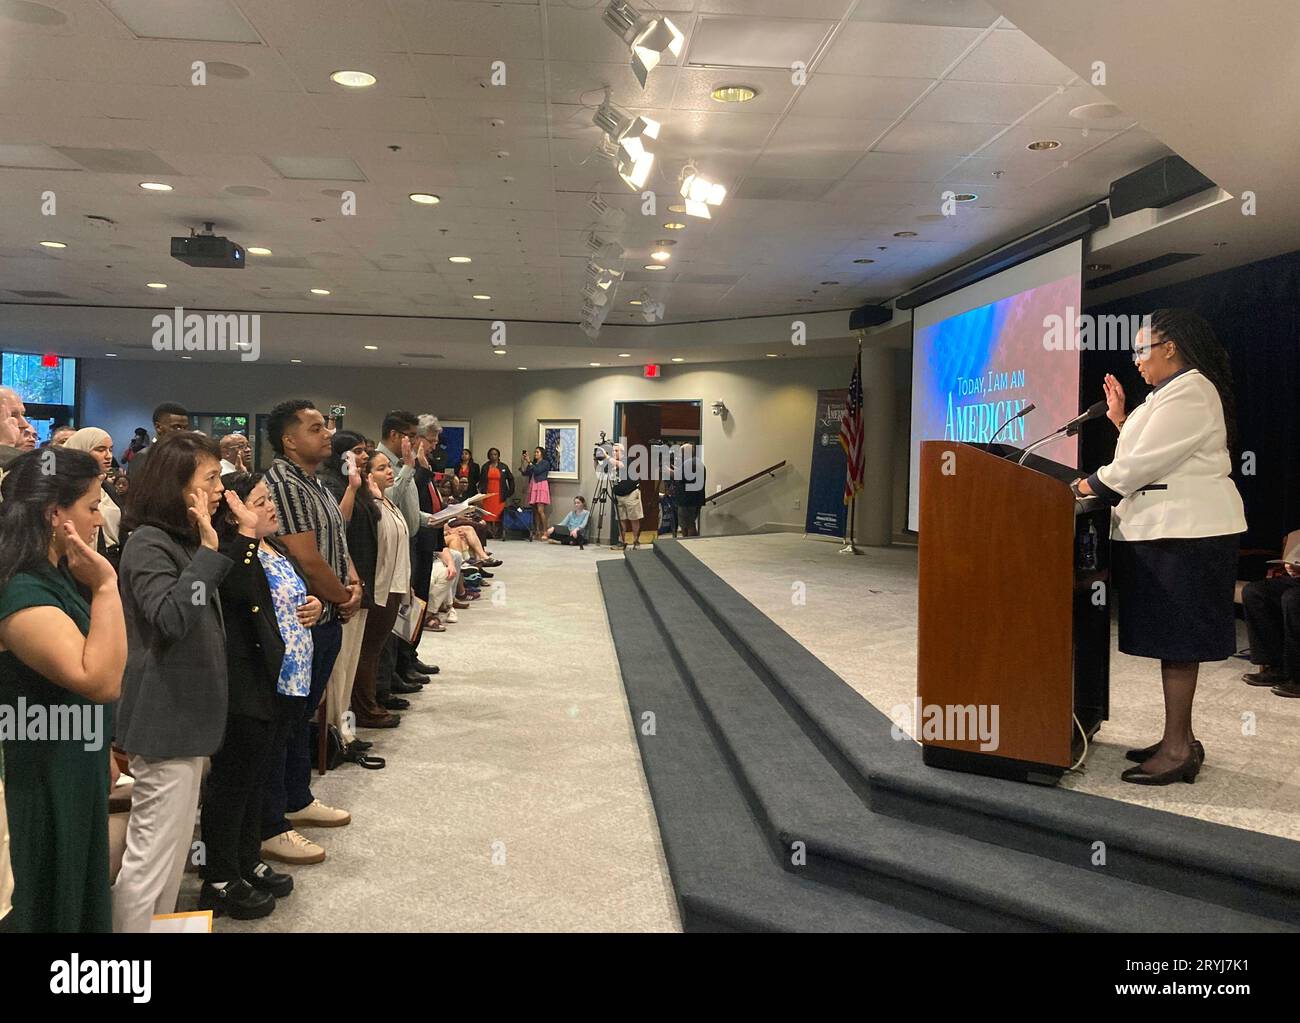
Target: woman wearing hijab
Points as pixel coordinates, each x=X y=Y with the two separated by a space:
x=99 y=444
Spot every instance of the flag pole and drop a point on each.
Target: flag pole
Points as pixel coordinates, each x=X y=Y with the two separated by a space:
x=850 y=526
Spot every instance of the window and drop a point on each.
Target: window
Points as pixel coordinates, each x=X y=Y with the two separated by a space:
x=38 y=384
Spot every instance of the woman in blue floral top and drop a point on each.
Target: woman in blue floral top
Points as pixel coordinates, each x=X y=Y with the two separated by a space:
x=268 y=656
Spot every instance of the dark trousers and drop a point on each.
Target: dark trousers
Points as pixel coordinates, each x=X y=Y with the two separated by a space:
x=563 y=534
x=688 y=519
x=289 y=788
x=288 y=711
x=232 y=799
x=1273 y=618
x=365 y=688
x=424 y=549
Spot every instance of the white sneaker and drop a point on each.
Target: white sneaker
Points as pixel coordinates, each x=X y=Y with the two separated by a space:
x=291 y=847
x=317 y=815
x=452 y=616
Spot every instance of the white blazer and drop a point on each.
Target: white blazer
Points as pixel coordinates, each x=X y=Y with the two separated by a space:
x=1172 y=466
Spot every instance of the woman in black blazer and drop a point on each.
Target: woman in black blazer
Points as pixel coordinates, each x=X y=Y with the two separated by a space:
x=468 y=470
x=268 y=653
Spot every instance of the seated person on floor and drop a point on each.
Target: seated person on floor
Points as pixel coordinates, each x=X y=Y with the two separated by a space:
x=1272 y=609
x=573 y=527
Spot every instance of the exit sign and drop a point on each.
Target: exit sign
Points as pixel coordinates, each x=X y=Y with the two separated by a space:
x=652 y=371
x=49 y=361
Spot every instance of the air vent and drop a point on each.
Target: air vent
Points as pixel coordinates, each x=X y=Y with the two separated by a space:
x=119 y=161
x=1138 y=269
x=38 y=294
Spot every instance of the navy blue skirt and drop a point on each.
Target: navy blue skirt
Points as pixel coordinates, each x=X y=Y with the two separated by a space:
x=1175 y=597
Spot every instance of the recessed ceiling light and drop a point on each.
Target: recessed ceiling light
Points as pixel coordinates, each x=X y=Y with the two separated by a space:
x=829 y=284
x=481 y=298
x=635 y=301
x=353 y=79
x=498 y=351
x=593 y=364
x=295 y=360
x=155 y=284
x=625 y=355
x=424 y=198
x=257 y=250
x=319 y=291
x=678 y=359
x=677 y=208
x=459 y=259
x=187 y=357
x=965 y=197
x=371 y=348
x=864 y=260
x=1042 y=145
x=663 y=255
x=155 y=186
x=904 y=234
x=654 y=266
x=1098 y=266
x=733 y=93
x=674 y=225
x=521 y=367
x=773 y=355
x=55 y=245
x=1095 y=111
x=110 y=355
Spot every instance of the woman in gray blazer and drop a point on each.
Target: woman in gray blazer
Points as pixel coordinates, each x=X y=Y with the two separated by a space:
x=173 y=708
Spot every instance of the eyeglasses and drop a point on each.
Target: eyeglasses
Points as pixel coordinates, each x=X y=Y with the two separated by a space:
x=1141 y=353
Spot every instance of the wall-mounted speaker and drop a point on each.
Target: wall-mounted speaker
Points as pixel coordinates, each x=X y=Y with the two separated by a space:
x=1157 y=184
x=869 y=316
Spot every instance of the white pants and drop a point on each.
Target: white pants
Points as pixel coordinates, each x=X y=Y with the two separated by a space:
x=442 y=589
x=338 y=693
x=158 y=837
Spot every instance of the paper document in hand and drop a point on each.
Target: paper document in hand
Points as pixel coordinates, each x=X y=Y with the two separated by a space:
x=452 y=510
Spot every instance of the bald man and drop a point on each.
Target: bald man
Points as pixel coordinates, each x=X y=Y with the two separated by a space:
x=235 y=452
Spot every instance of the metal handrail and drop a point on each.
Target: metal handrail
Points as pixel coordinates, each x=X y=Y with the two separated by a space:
x=769 y=471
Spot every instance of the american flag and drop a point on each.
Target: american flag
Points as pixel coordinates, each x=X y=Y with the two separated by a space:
x=851 y=435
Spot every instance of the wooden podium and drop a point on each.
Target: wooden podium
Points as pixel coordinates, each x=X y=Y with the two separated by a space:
x=1013 y=623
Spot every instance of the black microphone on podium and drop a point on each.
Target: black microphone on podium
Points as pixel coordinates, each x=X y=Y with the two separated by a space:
x=1095 y=411
x=1023 y=412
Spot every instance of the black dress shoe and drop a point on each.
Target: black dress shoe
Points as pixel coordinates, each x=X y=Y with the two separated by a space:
x=402 y=687
x=361 y=744
x=1266 y=676
x=267 y=879
x=1186 y=771
x=1141 y=756
x=395 y=703
x=238 y=900
x=425 y=669
x=1289 y=689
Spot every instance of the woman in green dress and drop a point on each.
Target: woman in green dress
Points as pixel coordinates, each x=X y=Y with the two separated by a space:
x=61 y=662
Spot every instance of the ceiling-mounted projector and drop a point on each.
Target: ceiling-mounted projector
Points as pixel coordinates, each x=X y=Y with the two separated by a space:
x=208 y=250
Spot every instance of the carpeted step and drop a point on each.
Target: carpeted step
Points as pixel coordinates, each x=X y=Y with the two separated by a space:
x=810 y=811
x=722 y=868
x=1243 y=870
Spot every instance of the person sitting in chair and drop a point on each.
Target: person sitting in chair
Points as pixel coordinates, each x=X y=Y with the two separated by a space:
x=573 y=527
x=1272 y=609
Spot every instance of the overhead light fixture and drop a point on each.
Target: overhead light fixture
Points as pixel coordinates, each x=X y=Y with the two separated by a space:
x=110 y=355
x=628 y=134
x=1042 y=145
x=662 y=255
x=498 y=351
x=295 y=360
x=648 y=37
x=593 y=364
x=678 y=358
x=156 y=284
x=965 y=197
x=521 y=367
x=699 y=192
x=55 y=245
x=481 y=298
x=459 y=259
x=733 y=93
x=625 y=355
x=864 y=260
x=353 y=79
x=904 y=234
x=604 y=250
x=674 y=225
x=424 y=198
x=319 y=291
x=371 y=348
x=257 y=250
x=654 y=266
x=676 y=208
x=773 y=355
x=635 y=301
x=155 y=186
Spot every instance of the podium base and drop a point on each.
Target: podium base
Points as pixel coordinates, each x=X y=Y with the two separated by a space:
x=992 y=766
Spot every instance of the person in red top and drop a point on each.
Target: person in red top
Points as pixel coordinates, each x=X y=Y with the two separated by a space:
x=498 y=484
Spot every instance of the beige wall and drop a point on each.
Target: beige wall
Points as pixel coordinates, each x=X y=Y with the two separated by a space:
x=771 y=405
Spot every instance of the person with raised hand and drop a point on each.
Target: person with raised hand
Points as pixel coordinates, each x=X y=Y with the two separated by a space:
x=174 y=692
x=62 y=647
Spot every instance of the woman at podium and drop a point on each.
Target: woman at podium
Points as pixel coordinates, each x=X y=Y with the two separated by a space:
x=1174 y=525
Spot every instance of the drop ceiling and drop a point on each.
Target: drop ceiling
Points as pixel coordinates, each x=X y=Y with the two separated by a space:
x=901 y=101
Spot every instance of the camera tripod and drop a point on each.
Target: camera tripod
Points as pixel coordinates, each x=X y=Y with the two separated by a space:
x=599 y=498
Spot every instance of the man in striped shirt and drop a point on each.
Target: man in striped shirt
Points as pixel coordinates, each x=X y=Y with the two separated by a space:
x=312 y=534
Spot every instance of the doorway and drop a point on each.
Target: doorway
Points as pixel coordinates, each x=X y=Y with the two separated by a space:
x=650 y=423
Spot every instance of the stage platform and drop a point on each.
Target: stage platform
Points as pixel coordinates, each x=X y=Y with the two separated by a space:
x=784 y=803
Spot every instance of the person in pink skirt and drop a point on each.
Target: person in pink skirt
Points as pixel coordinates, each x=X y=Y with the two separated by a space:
x=538 y=472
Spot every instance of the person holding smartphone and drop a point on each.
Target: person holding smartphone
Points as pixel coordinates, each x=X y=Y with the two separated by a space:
x=538 y=472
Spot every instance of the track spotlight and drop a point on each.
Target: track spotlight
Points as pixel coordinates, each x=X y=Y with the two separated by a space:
x=699 y=192
x=648 y=37
x=604 y=250
x=629 y=134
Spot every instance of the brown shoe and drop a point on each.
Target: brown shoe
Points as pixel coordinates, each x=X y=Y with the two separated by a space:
x=460 y=605
x=434 y=624
x=386 y=721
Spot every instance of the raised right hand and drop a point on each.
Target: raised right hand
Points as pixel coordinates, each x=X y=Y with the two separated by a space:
x=87 y=565
x=202 y=519
x=1115 y=407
